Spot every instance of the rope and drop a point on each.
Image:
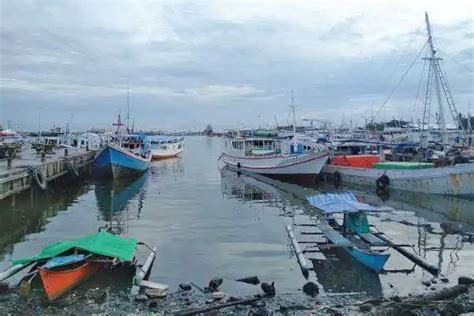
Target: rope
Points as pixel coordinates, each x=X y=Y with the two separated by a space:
x=418 y=90
x=402 y=56
x=401 y=79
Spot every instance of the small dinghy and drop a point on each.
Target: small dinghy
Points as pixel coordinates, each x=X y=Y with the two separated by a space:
x=63 y=265
x=61 y=274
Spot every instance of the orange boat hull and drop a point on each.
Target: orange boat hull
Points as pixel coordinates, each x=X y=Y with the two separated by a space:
x=56 y=283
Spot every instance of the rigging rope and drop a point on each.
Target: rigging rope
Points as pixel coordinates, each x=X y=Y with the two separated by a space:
x=402 y=57
x=418 y=90
x=401 y=79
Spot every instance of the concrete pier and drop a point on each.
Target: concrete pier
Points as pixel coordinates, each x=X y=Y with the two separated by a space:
x=22 y=174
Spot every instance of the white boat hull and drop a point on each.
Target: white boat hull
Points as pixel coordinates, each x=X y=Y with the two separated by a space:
x=453 y=180
x=162 y=147
x=165 y=153
x=309 y=163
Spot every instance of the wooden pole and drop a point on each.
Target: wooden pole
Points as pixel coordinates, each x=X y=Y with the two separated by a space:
x=143 y=271
x=12 y=270
x=299 y=253
x=411 y=256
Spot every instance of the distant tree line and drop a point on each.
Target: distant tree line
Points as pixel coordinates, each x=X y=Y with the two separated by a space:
x=464 y=122
x=380 y=126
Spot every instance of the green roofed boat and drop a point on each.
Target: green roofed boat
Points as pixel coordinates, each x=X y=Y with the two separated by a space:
x=64 y=264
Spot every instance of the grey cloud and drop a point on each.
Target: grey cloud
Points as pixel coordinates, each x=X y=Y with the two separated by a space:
x=204 y=68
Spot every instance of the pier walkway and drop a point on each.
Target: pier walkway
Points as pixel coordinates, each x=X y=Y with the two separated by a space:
x=29 y=169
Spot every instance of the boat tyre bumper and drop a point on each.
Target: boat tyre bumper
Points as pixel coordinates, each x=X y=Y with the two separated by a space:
x=73 y=168
x=39 y=178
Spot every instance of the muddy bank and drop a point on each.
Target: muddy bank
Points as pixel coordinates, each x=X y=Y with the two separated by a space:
x=452 y=300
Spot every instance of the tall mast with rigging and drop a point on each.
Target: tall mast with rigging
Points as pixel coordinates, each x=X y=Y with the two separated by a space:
x=294 y=116
x=434 y=64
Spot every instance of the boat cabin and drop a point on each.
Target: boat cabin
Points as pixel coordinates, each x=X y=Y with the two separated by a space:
x=131 y=141
x=252 y=147
x=355 y=148
x=264 y=147
x=165 y=142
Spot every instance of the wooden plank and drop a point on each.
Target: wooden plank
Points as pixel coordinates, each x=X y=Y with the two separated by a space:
x=333 y=236
x=153 y=285
x=371 y=239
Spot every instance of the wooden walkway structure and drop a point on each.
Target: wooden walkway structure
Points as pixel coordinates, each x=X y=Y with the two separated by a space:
x=20 y=175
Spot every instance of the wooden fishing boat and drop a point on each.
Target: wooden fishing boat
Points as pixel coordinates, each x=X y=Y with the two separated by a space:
x=453 y=180
x=63 y=265
x=126 y=154
x=341 y=237
x=273 y=157
x=116 y=162
x=360 y=251
x=267 y=154
x=165 y=146
x=355 y=236
x=58 y=281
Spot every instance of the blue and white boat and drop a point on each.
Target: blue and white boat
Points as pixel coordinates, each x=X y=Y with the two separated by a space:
x=165 y=146
x=122 y=159
x=341 y=237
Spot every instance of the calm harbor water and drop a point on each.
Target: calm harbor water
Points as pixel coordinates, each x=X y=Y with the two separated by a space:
x=206 y=223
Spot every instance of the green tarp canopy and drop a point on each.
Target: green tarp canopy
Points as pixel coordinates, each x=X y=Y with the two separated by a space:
x=402 y=165
x=101 y=243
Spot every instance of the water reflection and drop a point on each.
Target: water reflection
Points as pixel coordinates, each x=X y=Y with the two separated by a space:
x=335 y=271
x=441 y=223
x=114 y=201
x=356 y=277
x=453 y=208
x=248 y=189
x=432 y=207
x=436 y=239
x=171 y=167
x=29 y=212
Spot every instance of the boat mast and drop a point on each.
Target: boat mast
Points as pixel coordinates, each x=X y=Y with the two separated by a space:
x=294 y=116
x=128 y=107
x=434 y=64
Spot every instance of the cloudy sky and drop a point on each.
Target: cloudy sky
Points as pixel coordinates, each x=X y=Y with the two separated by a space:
x=190 y=63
